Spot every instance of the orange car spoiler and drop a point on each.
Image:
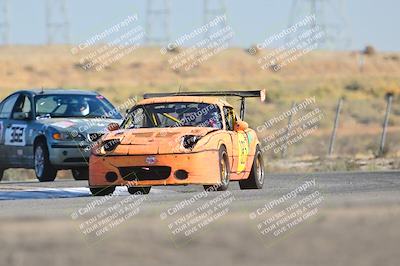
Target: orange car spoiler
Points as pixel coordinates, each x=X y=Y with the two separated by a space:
x=242 y=94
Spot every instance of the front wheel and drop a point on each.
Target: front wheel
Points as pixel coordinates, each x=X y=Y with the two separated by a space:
x=44 y=171
x=102 y=191
x=257 y=174
x=81 y=173
x=224 y=172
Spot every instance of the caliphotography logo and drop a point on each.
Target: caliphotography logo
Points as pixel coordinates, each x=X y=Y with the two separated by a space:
x=209 y=132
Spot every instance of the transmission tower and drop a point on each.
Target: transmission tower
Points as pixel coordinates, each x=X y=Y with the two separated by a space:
x=213 y=9
x=4 y=22
x=329 y=18
x=158 y=22
x=57 y=23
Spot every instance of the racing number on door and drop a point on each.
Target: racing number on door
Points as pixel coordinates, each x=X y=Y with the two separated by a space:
x=243 y=146
x=15 y=135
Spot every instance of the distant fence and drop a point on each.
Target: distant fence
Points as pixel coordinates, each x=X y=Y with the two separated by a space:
x=370 y=133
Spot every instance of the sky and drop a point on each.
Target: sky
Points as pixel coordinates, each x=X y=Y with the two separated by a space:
x=365 y=22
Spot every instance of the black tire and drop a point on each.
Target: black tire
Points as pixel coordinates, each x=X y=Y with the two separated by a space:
x=1 y=173
x=257 y=174
x=81 y=173
x=44 y=171
x=102 y=191
x=224 y=172
x=136 y=190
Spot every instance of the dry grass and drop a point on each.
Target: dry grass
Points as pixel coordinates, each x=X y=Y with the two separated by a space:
x=325 y=75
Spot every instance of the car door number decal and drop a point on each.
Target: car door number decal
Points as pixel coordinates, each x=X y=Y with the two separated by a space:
x=15 y=135
x=243 y=146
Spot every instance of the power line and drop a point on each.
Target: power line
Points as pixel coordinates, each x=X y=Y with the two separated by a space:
x=213 y=9
x=329 y=18
x=57 y=22
x=158 y=22
x=4 y=22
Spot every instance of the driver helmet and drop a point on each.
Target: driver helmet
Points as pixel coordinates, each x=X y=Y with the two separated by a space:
x=84 y=108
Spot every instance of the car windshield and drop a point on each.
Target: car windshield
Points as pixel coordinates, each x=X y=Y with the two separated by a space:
x=179 y=114
x=77 y=106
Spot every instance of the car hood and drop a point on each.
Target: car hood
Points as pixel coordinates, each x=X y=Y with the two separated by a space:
x=154 y=140
x=81 y=125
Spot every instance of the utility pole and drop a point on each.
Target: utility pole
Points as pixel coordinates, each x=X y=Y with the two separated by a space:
x=213 y=9
x=158 y=22
x=330 y=19
x=335 y=126
x=287 y=134
x=389 y=99
x=4 y=22
x=57 y=23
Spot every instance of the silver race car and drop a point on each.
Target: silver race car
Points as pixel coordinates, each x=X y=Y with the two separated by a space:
x=51 y=130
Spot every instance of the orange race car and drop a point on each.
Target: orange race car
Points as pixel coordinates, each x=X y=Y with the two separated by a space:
x=179 y=139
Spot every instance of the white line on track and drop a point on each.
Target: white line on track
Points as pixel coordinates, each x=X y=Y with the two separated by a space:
x=54 y=193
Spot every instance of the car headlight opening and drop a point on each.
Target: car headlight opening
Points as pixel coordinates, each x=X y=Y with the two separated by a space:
x=189 y=141
x=66 y=136
x=110 y=145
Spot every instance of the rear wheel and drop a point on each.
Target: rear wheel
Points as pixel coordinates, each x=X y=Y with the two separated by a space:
x=136 y=190
x=102 y=191
x=223 y=172
x=44 y=171
x=81 y=173
x=257 y=174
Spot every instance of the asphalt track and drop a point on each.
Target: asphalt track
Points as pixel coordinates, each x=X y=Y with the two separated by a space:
x=357 y=223
x=60 y=198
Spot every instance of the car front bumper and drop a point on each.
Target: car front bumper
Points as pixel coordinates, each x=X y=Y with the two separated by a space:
x=155 y=170
x=67 y=156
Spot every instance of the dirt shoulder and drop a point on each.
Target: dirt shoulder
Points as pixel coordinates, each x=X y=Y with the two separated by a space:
x=358 y=235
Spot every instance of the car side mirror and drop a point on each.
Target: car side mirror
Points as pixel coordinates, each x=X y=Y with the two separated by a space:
x=241 y=126
x=113 y=127
x=21 y=116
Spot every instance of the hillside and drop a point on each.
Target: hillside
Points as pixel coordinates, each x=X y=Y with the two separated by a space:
x=325 y=75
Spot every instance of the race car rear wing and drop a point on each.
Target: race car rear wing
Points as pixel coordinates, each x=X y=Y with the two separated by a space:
x=242 y=94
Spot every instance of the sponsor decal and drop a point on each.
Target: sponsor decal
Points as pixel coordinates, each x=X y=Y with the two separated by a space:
x=151 y=160
x=243 y=146
x=63 y=124
x=250 y=138
x=16 y=135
